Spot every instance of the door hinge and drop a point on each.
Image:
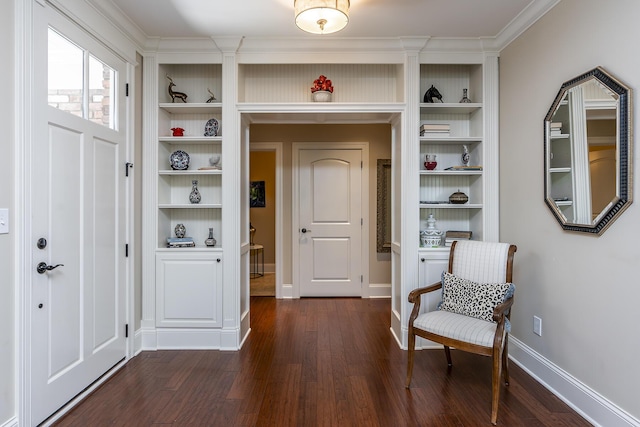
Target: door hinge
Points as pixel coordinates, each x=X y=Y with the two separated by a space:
x=126 y=250
x=361 y=222
x=126 y=89
x=126 y=330
x=361 y=278
x=127 y=166
x=361 y=164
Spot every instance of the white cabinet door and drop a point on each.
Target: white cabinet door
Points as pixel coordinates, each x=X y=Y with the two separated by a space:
x=431 y=266
x=189 y=289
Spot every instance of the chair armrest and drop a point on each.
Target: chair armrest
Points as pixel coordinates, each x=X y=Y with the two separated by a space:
x=414 y=295
x=501 y=310
x=415 y=299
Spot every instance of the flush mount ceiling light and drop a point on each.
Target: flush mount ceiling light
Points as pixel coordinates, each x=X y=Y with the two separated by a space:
x=321 y=16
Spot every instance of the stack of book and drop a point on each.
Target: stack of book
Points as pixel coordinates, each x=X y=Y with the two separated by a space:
x=180 y=242
x=439 y=130
x=464 y=168
x=452 y=235
x=555 y=128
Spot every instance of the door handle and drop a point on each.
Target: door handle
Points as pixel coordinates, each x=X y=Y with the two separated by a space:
x=43 y=267
x=304 y=230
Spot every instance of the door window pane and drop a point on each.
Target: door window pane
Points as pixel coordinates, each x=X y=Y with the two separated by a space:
x=65 y=75
x=80 y=83
x=101 y=94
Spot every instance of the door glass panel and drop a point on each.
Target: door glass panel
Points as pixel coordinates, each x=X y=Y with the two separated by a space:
x=80 y=83
x=101 y=93
x=65 y=75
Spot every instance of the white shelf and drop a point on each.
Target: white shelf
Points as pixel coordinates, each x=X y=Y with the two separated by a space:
x=450 y=206
x=191 y=108
x=450 y=108
x=191 y=172
x=191 y=140
x=450 y=173
x=454 y=140
x=198 y=248
x=190 y=206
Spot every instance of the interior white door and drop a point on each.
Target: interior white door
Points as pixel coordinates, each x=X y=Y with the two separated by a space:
x=78 y=211
x=330 y=215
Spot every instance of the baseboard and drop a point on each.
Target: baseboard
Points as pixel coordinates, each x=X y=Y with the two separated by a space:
x=190 y=339
x=379 y=290
x=11 y=422
x=137 y=342
x=287 y=291
x=594 y=407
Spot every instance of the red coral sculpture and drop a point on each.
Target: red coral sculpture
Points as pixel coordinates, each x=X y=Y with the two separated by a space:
x=322 y=83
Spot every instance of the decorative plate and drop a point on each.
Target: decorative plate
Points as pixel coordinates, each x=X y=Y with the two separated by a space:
x=179 y=160
x=211 y=128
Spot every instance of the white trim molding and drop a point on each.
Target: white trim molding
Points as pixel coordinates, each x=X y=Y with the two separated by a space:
x=594 y=407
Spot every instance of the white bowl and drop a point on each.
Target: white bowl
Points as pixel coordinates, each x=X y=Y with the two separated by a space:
x=321 y=96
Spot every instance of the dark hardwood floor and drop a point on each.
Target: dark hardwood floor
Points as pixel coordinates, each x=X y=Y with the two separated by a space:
x=315 y=362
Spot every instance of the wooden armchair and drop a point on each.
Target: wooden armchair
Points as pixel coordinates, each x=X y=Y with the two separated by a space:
x=474 y=313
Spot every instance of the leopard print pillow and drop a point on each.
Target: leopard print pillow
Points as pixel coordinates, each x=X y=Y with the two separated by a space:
x=472 y=299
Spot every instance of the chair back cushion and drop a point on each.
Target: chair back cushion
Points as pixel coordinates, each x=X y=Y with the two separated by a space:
x=472 y=299
x=482 y=262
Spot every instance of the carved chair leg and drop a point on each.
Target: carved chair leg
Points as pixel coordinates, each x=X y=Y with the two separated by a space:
x=505 y=361
x=412 y=347
x=447 y=352
x=495 y=385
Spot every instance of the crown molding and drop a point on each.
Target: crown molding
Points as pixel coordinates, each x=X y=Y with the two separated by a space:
x=325 y=49
x=525 y=19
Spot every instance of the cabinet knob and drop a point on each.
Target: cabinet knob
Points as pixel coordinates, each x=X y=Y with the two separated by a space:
x=422 y=259
x=218 y=260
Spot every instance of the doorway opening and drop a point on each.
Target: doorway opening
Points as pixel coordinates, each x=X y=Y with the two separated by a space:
x=265 y=219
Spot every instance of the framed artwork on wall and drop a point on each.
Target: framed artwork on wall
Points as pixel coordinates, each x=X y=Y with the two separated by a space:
x=256 y=194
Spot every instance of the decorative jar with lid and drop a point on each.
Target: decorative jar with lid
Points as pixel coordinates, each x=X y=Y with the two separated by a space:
x=431 y=237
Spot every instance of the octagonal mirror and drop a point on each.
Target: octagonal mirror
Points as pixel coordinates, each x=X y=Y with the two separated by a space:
x=588 y=147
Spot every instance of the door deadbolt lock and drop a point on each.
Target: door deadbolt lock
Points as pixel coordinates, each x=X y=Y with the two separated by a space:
x=42 y=243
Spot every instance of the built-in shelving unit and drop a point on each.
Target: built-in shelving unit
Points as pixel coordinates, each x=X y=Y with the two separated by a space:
x=189 y=279
x=466 y=129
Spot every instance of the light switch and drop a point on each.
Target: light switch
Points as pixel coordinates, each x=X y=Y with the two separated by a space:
x=4 y=221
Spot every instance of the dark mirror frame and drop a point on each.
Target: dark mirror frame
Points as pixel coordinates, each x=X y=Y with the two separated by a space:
x=383 y=230
x=623 y=146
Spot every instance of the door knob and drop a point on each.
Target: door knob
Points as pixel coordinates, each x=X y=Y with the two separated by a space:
x=304 y=230
x=43 y=267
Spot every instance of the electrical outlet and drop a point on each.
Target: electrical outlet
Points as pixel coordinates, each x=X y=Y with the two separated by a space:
x=4 y=221
x=537 y=325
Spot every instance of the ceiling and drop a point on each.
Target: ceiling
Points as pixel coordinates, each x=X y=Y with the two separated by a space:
x=368 y=18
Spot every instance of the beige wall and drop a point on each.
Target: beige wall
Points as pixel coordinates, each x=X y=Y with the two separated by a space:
x=263 y=168
x=7 y=260
x=585 y=288
x=379 y=138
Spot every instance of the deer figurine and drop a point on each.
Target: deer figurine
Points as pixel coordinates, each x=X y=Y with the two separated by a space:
x=174 y=94
x=212 y=97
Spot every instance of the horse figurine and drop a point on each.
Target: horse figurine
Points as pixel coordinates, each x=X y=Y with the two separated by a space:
x=431 y=93
x=174 y=94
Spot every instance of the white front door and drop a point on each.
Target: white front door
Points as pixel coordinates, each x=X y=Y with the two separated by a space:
x=78 y=211
x=330 y=217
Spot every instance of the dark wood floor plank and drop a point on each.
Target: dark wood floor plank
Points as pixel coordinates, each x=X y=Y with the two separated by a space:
x=315 y=362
